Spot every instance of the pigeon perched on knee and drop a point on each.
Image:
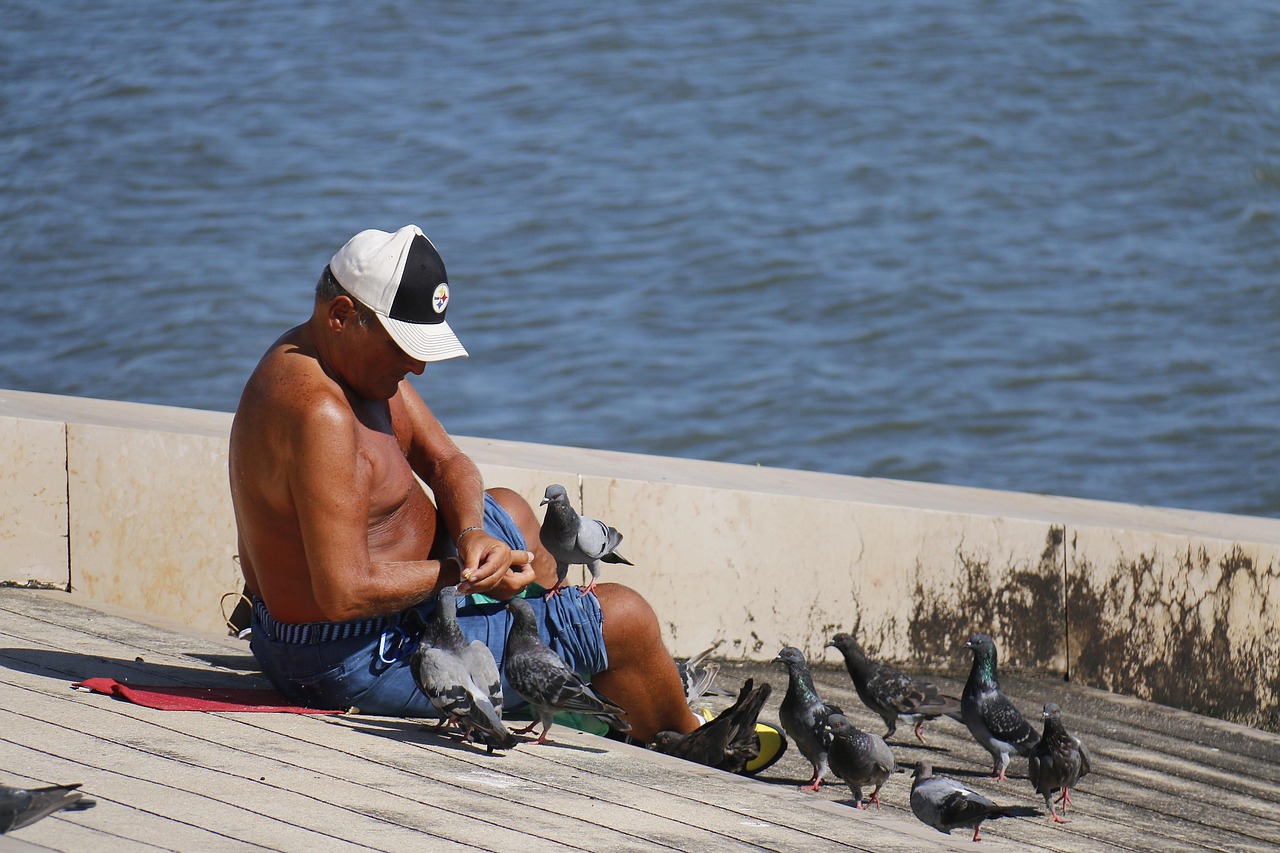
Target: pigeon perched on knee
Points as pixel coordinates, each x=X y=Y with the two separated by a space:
x=803 y=714
x=891 y=693
x=1057 y=763
x=945 y=804
x=858 y=757
x=21 y=807
x=991 y=717
x=575 y=539
x=547 y=682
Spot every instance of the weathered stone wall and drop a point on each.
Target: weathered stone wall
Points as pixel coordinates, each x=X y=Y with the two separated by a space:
x=1184 y=621
x=129 y=504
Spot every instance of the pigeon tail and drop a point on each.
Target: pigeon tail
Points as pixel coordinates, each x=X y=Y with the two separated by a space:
x=21 y=807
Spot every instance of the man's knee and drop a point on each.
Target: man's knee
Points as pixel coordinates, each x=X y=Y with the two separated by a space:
x=626 y=613
x=516 y=506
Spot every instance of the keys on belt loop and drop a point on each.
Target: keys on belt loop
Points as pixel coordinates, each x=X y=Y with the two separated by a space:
x=395 y=645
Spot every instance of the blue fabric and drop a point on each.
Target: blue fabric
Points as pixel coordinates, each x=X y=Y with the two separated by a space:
x=358 y=672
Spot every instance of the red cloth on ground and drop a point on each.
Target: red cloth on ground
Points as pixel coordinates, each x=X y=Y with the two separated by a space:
x=199 y=698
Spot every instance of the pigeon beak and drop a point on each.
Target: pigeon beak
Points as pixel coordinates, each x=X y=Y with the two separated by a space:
x=545 y=501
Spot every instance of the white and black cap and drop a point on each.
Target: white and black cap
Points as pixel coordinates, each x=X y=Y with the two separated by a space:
x=401 y=278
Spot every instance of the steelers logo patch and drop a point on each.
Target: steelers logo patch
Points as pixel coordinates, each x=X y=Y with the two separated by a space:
x=440 y=299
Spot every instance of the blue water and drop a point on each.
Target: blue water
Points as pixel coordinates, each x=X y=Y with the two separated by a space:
x=1020 y=245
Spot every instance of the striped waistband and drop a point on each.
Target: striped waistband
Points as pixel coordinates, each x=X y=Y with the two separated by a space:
x=315 y=632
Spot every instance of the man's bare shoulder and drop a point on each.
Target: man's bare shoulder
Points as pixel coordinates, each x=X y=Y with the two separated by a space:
x=289 y=390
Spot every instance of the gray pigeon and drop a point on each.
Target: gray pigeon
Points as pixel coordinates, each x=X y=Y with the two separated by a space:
x=893 y=694
x=545 y=681
x=1058 y=762
x=460 y=678
x=803 y=714
x=993 y=720
x=726 y=742
x=576 y=539
x=445 y=633
x=945 y=804
x=858 y=757
x=21 y=807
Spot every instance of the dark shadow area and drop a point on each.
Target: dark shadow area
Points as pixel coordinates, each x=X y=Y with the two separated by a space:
x=77 y=666
x=422 y=730
x=968 y=773
x=238 y=663
x=915 y=745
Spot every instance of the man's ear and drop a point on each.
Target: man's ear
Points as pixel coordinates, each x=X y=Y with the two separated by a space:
x=341 y=311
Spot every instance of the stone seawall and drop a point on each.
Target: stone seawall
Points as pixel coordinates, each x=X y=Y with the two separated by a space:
x=128 y=504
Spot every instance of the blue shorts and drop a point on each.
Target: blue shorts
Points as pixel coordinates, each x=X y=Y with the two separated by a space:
x=364 y=663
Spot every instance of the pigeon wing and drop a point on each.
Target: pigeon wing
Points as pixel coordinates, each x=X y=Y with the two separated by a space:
x=1006 y=723
x=598 y=541
x=892 y=691
x=964 y=807
x=484 y=671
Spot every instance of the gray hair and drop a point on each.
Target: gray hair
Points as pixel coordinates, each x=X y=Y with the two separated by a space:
x=328 y=289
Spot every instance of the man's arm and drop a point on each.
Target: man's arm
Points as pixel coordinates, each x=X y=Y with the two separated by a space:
x=330 y=482
x=458 y=487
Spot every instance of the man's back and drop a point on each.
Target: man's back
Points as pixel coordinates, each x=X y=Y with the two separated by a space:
x=306 y=455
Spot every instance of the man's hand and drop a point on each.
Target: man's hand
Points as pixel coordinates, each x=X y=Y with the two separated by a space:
x=490 y=566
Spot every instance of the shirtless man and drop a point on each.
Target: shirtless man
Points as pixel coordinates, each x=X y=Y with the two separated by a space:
x=337 y=539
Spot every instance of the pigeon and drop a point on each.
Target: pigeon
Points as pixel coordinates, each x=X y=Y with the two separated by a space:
x=803 y=713
x=991 y=717
x=547 y=682
x=698 y=676
x=21 y=807
x=893 y=694
x=858 y=757
x=460 y=678
x=576 y=539
x=1057 y=763
x=726 y=742
x=945 y=804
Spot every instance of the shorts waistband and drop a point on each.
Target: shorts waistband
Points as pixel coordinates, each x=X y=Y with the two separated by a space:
x=315 y=632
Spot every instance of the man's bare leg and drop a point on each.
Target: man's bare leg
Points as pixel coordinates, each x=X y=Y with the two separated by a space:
x=642 y=677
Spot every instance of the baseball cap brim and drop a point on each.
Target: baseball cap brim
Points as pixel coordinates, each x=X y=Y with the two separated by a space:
x=423 y=341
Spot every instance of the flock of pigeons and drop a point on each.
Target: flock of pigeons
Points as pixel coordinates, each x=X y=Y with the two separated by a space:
x=829 y=740
x=1056 y=760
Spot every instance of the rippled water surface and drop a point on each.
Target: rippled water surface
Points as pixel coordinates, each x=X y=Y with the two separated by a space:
x=1028 y=246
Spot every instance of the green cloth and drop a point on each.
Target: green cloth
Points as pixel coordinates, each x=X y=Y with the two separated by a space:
x=533 y=590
